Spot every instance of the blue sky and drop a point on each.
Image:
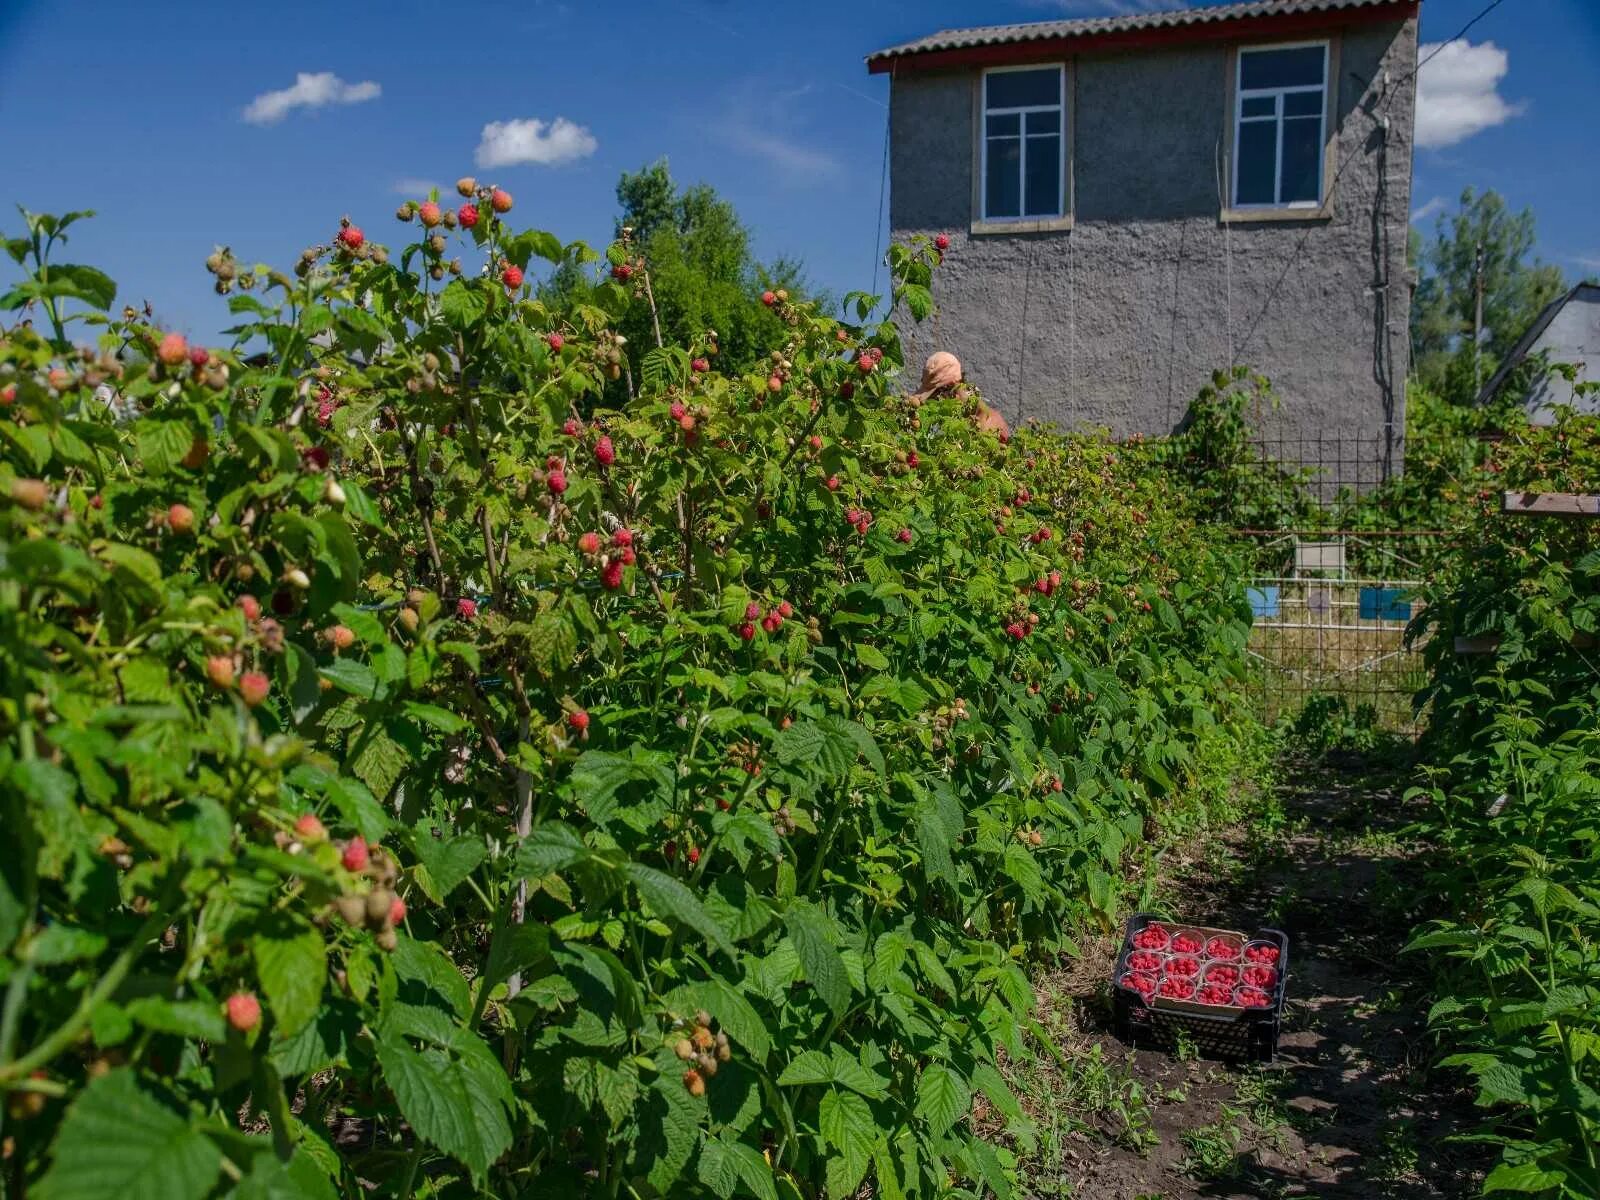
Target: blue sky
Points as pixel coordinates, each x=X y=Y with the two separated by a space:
x=188 y=125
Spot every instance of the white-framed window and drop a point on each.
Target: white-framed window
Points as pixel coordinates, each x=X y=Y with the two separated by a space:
x=1023 y=146
x=1280 y=116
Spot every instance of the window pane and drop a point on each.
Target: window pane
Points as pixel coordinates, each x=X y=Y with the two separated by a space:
x=1002 y=190
x=1259 y=106
x=1302 y=104
x=1043 y=185
x=1280 y=68
x=1302 y=160
x=1023 y=89
x=1009 y=125
x=1258 y=162
x=1044 y=122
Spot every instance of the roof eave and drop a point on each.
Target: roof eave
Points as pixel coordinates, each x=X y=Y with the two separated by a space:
x=1043 y=49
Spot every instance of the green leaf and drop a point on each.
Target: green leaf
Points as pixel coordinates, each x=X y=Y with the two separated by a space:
x=453 y=1104
x=669 y=1125
x=942 y=1098
x=550 y=848
x=292 y=964
x=1523 y=1177
x=446 y=864
x=846 y=1124
x=357 y=806
x=728 y=1007
x=429 y=977
x=812 y=934
x=462 y=303
x=163 y=442
x=670 y=898
x=94 y=287
x=301 y=1178
x=118 y=1140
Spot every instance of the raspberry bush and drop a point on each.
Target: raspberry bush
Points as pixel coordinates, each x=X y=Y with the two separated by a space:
x=417 y=776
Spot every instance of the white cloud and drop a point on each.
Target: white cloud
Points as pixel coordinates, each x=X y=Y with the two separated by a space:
x=783 y=153
x=1458 y=92
x=508 y=143
x=413 y=188
x=1103 y=8
x=1433 y=206
x=1588 y=262
x=310 y=90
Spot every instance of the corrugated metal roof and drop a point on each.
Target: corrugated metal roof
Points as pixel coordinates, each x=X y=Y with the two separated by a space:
x=1038 y=31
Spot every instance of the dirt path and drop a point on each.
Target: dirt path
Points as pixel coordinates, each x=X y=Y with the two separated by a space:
x=1349 y=1110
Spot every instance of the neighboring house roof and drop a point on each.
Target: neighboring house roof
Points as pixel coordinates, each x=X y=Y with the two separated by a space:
x=990 y=44
x=1588 y=292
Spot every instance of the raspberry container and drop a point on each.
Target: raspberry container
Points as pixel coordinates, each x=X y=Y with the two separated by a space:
x=1226 y=1030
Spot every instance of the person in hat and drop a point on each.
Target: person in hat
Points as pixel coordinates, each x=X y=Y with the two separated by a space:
x=941 y=376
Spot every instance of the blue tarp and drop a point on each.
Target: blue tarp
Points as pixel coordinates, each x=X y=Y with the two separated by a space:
x=1263 y=601
x=1384 y=604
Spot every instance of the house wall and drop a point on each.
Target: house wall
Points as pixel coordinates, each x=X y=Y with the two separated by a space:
x=1120 y=320
x=1573 y=336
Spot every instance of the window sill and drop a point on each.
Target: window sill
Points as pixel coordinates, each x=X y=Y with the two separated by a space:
x=1241 y=216
x=1031 y=225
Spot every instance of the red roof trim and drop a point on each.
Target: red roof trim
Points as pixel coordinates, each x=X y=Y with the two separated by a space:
x=1046 y=49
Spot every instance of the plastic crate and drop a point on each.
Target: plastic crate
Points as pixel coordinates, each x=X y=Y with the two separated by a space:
x=1241 y=1033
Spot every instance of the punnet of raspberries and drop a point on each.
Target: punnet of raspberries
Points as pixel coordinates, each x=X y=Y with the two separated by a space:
x=1214 y=993
x=1183 y=967
x=1261 y=952
x=1176 y=988
x=1251 y=997
x=1187 y=942
x=1144 y=960
x=1260 y=976
x=1222 y=973
x=1153 y=936
x=1223 y=948
x=1139 y=981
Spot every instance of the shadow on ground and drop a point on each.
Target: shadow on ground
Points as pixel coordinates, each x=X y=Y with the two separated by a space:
x=1349 y=1111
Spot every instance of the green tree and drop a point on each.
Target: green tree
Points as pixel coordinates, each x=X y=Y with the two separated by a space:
x=1482 y=241
x=703 y=275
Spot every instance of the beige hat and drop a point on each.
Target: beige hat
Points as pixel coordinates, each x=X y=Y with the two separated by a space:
x=942 y=370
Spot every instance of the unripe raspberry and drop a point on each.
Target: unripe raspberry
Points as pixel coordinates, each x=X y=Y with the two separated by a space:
x=59 y=378
x=589 y=543
x=244 y=1011
x=173 y=350
x=30 y=493
x=429 y=212
x=355 y=855
x=297 y=578
x=604 y=452
x=774 y=383
x=253 y=688
x=556 y=481
x=219 y=670
x=693 y=1081
x=406 y=211
x=251 y=607
x=500 y=200
x=341 y=637
x=309 y=828
x=467 y=214
x=351 y=237
x=180 y=518
x=466 y=185
x=512 y=276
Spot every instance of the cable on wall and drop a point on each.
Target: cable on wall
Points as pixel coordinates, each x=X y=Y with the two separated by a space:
x=883 y=185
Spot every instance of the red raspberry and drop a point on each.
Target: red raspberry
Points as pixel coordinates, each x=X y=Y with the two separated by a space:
x=355 y=856
x=351 y=237
x=816 y=441
x=866 y=364
x=512 y=276
x=622 y=272
x=604 y=452
x=316 y=458
x=309 y=828
x=677 y=410
x=253 y=688
x=833 y=483
x=769 y=298
x=747 y=631
x=556 y=481
x=467 y=214
x=219 y=670
x=199 y=356
x=700 y=365
x=173 y=349
x=429 y=213
x=847 y=389
x=466 y=608
x=556 y=342
x=500 y=200
x=251 y=607
x=589 y=543
x=771 y=622
x=325 y=411
x=244 y=1011
x=752 y=611
x=579 y=721
x=622 y=537
x=694 y=855
x=903 y=536
x=611 y=575
x=913 y=461
x=571 y=428
x=785 y=609
x=397 y=911
x=1017 y=629
x=941 y=243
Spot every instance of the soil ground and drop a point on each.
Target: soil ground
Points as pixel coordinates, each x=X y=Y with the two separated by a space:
x=1349 y=1110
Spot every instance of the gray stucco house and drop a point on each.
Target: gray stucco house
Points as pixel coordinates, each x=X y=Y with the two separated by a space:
x=1134 y=202
x=1566 y=332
